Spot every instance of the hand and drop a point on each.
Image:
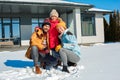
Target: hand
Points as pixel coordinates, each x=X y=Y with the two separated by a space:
x=47 y=51
x=60 y=36
x=44 y=46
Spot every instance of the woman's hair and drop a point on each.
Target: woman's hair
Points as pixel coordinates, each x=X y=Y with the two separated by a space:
x=69 y=33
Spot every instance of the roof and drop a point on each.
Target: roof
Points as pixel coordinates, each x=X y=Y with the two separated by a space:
x=99 y=10
x=56 y=3
x=49 y=2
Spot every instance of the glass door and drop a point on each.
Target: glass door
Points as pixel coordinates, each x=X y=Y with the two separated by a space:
x=6 y=31
x=10 y=30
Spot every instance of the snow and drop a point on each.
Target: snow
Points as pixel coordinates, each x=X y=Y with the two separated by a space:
x=98 y=62
x=49 y=1
x=100 y=10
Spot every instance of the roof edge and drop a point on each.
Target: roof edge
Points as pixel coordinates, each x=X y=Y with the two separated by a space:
x=65 y=3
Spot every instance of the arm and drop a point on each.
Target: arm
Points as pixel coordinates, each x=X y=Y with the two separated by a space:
x=47 y=20
x=35 y=41
x=70 y=42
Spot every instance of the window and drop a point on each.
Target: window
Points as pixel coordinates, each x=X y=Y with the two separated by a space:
x=36 y=22
x=6 y=20
x=88 y=25
x=15 y=27
x=0 y=29
x=6 y=29
x=16 y=30
x=10 y=30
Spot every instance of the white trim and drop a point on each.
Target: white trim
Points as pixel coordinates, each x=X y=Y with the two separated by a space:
x=98 y=10
x=77 y=21
x=25 y=42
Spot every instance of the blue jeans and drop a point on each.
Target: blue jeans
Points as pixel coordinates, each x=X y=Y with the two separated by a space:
x=39 y=57
x=55 y=54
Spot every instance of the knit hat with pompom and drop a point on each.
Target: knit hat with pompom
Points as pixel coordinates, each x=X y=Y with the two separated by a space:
x=54 y=13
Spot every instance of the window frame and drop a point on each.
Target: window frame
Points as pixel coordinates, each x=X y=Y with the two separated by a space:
x=91 y=20
x=39 y=23
x=10 y=21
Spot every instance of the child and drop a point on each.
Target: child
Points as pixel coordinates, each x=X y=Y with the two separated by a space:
x=53 y=19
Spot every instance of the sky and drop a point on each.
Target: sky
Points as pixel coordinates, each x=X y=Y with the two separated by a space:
x=102 y=4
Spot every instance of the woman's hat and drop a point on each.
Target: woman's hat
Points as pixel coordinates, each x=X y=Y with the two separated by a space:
x=61 y=24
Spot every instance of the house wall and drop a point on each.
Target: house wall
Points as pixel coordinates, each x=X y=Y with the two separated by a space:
x=26 y=27
x=74 y=24
x=99 y=38
x=64 y=17
x=99 y=27
x=70 y=22
x=26 y=30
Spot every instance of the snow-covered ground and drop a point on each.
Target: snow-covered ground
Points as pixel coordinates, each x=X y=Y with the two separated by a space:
x=98 y=62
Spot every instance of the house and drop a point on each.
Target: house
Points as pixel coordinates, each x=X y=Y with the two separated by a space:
x=19 y=17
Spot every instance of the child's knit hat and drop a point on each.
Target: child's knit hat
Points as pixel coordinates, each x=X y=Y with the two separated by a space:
x=54 y=13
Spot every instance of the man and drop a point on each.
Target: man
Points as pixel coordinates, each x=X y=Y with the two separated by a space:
x=39 y=46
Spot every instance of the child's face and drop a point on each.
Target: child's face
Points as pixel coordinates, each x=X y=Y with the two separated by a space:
x=60 y=29
x=53 y=18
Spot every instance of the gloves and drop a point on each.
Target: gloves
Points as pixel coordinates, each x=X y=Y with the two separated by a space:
x=58 y=47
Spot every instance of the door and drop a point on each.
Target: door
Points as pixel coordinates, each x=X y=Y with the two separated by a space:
x=6 y=31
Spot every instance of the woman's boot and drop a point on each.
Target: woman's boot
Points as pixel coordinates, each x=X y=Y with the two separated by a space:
x=72 y=64
x=65 y=69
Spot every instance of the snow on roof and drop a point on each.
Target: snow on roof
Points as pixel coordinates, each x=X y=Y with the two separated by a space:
x=98 y=10
x=49 y=1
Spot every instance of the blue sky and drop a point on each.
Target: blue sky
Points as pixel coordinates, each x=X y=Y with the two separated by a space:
x=102 y=4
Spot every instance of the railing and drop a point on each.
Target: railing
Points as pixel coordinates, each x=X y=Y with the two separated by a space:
x=6 y=39
x=4 y=42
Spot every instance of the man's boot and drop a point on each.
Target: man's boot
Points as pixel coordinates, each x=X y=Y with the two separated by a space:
x=37 y=70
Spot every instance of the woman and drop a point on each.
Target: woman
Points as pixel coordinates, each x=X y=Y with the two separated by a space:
x=70 y=51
